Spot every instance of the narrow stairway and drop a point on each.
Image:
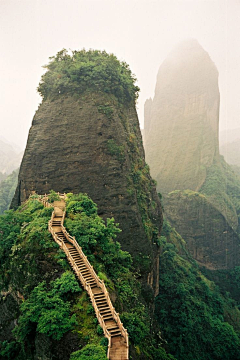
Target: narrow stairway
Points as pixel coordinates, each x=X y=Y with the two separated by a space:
x=105 y=312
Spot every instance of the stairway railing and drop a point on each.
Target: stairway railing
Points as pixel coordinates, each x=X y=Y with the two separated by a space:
x=100 y=283
x=87 y=287
x=83 y=281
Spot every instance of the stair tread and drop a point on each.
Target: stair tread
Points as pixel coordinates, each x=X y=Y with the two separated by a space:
x=118 y=350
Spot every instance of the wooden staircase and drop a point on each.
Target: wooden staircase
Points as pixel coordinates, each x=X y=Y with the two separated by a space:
x=107 y=317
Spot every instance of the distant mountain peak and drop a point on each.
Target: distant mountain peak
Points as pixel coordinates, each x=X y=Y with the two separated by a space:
x=181 y=137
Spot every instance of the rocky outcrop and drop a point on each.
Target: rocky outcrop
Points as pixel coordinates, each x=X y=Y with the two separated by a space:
x=9 y=312
x=182 y=149
x=93 y=145
x=181 y=124
x=210 y=239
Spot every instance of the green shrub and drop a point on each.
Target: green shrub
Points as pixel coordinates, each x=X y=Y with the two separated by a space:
x=25 y=243
x=107 y=110
x=137 y=329
x=95 y=236
x=48 y=310
x=53 y=196
x=91 y=351
x=99 y=330
x=116 y=150
x=80 y=203
x=12 y=350
x=92 y=70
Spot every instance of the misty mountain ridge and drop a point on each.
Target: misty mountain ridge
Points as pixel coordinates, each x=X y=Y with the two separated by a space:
x=228 y=136
x=181 y=122
x=229 y=141
x=231 y=152
x=10 y=156
x=16 y=147
x=182 y=148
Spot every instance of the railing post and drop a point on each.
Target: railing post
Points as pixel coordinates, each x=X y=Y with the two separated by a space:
x=100 y=283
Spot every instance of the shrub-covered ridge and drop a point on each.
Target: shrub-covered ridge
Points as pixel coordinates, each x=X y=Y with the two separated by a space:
x=91 y=70
x=54 y=316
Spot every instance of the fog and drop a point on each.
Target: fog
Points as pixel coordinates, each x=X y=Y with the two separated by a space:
x=140 y=32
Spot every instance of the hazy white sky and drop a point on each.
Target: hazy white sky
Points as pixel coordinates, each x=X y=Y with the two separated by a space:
x=141 y=32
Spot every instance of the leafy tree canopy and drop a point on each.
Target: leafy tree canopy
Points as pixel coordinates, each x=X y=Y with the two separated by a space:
x=94 y=352
x=93 y=70
x=48 y=309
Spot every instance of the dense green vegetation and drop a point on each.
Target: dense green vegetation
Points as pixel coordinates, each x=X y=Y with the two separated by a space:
x=48 y=308
x=236 y=170
x=53 y=196
x=92 y=352
x=93 y=70
x=196 y=320
x=7 y=189
x=114 y=266
x=53 y=305
x=95 y=237
x=35 y=268
x=228 y=282
x=222 y=187
x=191 y=311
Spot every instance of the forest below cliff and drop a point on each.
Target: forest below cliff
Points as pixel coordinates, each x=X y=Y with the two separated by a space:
x=55 y=310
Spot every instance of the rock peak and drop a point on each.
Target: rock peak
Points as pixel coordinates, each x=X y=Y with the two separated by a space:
x=89 y=141
x=181 y=140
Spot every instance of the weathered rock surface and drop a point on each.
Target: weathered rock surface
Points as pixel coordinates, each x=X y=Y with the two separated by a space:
x=181 y=124
x=209 y=238
x=9 y=312
x=90 y=144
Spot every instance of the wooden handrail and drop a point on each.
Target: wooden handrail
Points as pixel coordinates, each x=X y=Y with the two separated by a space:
x=86 y=285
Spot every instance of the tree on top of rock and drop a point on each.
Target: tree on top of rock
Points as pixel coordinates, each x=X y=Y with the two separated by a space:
x=92 y=70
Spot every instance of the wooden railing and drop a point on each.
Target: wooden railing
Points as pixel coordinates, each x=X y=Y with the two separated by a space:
x=87 y=287
x=46 y=203
x=100 y=283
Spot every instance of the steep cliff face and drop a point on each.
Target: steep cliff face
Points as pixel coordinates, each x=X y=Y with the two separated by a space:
x=181 y=137
x=91 y=143
x=210 y=239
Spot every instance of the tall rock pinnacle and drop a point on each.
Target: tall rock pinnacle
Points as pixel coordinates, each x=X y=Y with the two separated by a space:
x=85 y=137
x=181 y=123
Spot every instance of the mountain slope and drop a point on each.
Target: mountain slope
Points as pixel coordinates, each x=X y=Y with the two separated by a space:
x=85 y=137
x=41 y=300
